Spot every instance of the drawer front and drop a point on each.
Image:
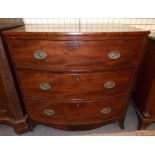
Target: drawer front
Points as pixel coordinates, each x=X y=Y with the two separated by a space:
x=2 y=104
x=76 y=55
x=75 y=86
x=80 y=112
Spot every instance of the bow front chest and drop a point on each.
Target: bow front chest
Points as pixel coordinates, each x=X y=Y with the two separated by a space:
x=75 y=80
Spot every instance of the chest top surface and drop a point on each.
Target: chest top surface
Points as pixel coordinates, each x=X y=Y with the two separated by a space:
x=77 y=29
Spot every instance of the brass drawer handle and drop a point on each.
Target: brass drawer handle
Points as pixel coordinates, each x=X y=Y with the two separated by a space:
x=109 y=85
x=49 y=112
x=113 y=55
x=105 y=111
x=40 y=55
x=45 y=86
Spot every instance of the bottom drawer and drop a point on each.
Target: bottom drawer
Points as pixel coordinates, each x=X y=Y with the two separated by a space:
x=47 y=112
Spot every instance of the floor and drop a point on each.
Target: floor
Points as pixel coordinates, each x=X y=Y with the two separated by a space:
x=113 y=128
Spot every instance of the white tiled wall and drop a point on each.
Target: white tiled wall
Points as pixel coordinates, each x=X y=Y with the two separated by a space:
x=144 y=23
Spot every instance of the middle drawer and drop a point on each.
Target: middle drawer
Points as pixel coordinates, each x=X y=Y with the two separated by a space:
x=75 y=86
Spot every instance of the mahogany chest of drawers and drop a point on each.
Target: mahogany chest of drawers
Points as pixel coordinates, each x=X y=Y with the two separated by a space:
x=144 y=96
x=10 y=109
x=75 y=81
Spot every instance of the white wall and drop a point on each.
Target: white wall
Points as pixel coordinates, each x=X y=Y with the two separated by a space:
x=144 y=23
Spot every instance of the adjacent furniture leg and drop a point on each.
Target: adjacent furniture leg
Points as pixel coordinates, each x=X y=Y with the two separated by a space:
x=121 y=123
x=142 y=124
x=32 y=125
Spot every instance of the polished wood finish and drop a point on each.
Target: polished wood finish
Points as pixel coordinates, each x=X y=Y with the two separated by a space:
x=144 y=96
x=86 y=86
x=2 y=96
x=68 y=115
x=76 y=55
x=10 y=108
x=76 y=70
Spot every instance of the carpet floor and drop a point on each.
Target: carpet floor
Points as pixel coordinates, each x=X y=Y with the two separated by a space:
x=110 y=129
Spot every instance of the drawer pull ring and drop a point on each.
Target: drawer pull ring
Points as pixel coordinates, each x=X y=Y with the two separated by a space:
x=113 y=55
x=105 y=111
x=45 y=86
x=109 y=85
x=49 y=112
x=40 y=55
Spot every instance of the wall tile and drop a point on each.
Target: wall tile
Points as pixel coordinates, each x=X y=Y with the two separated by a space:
x=144 y=23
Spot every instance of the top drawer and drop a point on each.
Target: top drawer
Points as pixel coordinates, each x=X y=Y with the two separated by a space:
x=76 y=55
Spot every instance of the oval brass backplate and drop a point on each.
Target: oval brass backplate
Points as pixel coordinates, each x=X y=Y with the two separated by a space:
x=109 y=85
x=49 y=112
x=40 y=55
x=105 y=111
x=45 y=86
x=114 y=55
